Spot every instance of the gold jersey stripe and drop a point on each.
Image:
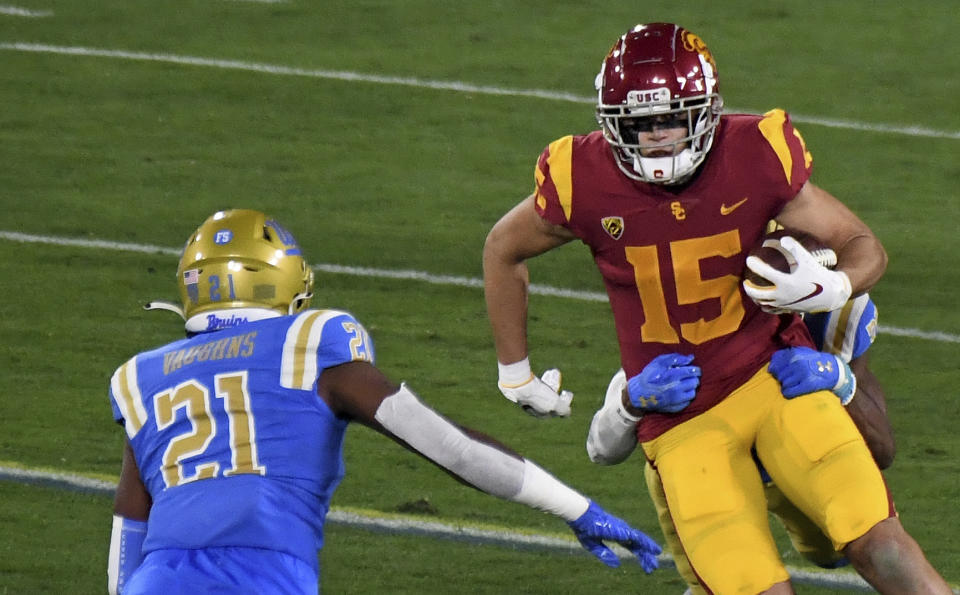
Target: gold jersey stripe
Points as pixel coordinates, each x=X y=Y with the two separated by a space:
x=539 y=177
x=298 y=368
x=840 y=333
x=126 y=393
x=560 y=162
x=771 y=126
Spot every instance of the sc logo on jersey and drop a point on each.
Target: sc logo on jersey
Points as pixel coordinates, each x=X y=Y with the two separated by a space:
x=222 y=237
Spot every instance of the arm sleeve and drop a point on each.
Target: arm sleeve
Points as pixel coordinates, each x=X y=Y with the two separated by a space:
x=479 y=464
x=125 y=555
x=613 y=432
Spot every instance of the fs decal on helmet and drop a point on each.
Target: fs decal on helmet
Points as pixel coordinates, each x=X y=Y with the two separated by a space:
x=240 y=265
x=659 y=75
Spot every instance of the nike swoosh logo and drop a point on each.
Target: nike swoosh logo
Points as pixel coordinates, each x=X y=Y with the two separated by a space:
x=817 y=289
x=725 y=210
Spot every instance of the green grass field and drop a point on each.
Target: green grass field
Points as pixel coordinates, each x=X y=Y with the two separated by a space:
x=131 y=121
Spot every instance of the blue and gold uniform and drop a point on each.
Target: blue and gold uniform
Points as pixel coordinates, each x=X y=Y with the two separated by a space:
x=233 y=444
x=235 y=434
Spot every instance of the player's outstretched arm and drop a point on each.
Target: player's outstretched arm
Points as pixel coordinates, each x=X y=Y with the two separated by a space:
x=667 y=384
x=801 y=370
x=359 y=391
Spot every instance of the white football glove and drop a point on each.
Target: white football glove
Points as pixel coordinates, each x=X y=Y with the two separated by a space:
x=540 y=397
x=810 y=287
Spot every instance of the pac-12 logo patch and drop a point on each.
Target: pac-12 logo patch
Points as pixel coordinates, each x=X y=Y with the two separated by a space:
x=222 y=237
x=613 y=226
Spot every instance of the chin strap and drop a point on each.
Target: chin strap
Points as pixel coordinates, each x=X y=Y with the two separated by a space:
x=163 y=305
x=230 y=317
x=297 y=301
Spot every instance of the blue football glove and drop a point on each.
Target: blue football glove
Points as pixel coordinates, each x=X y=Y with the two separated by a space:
x=666 y=384
x=801 y=370
x=596 y=525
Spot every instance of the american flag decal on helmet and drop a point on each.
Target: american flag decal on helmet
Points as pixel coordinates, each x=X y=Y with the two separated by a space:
x=613 y=226
x=191 y=276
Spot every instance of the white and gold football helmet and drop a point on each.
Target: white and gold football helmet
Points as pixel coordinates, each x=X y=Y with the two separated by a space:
x=239 y=265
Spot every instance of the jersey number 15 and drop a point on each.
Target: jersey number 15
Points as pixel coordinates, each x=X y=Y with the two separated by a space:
x=685 y=255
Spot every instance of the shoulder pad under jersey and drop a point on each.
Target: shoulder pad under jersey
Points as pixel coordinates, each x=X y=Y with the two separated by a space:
x=125 y=398
x=847 y=332
x=320 y=339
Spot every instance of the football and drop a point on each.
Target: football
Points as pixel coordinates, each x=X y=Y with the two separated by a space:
x=771 y=252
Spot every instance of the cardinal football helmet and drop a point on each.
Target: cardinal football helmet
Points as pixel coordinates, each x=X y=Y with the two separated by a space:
x=659 y=75
x=241 y=265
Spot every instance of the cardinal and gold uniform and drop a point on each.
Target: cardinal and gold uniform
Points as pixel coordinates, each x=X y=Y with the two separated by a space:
x=672 y=258
x=846 y=333
x=237 y=450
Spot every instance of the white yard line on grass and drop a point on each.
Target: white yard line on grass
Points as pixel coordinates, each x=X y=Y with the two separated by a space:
x=406 y=274
x=16 y=11
x=457 y=86
x=410 y=525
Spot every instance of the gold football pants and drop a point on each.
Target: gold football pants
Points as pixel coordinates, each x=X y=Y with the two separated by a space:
x=715 y=497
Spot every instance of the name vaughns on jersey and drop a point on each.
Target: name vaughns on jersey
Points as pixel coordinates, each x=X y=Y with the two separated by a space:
x=227 y=348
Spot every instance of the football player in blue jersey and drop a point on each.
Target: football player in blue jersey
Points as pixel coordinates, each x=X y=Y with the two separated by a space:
x=843 y=337
x=235 y=433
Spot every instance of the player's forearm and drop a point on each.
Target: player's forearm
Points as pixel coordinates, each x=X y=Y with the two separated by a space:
x=864 y=261
x=505 y=291
x=612 y=437
x=869 y=412
x=131 y=499
x=125 y=553
x=519 y=235
x=860 y=254
x=481 y=464
x=613 y=430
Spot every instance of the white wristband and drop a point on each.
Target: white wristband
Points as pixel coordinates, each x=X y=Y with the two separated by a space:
x=515 y=374
x=846 y=386
x=545 y=492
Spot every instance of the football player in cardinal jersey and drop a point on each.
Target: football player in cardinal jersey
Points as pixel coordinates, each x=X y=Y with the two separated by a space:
x=843 y=336
x=670 y=195
x=235 y=434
